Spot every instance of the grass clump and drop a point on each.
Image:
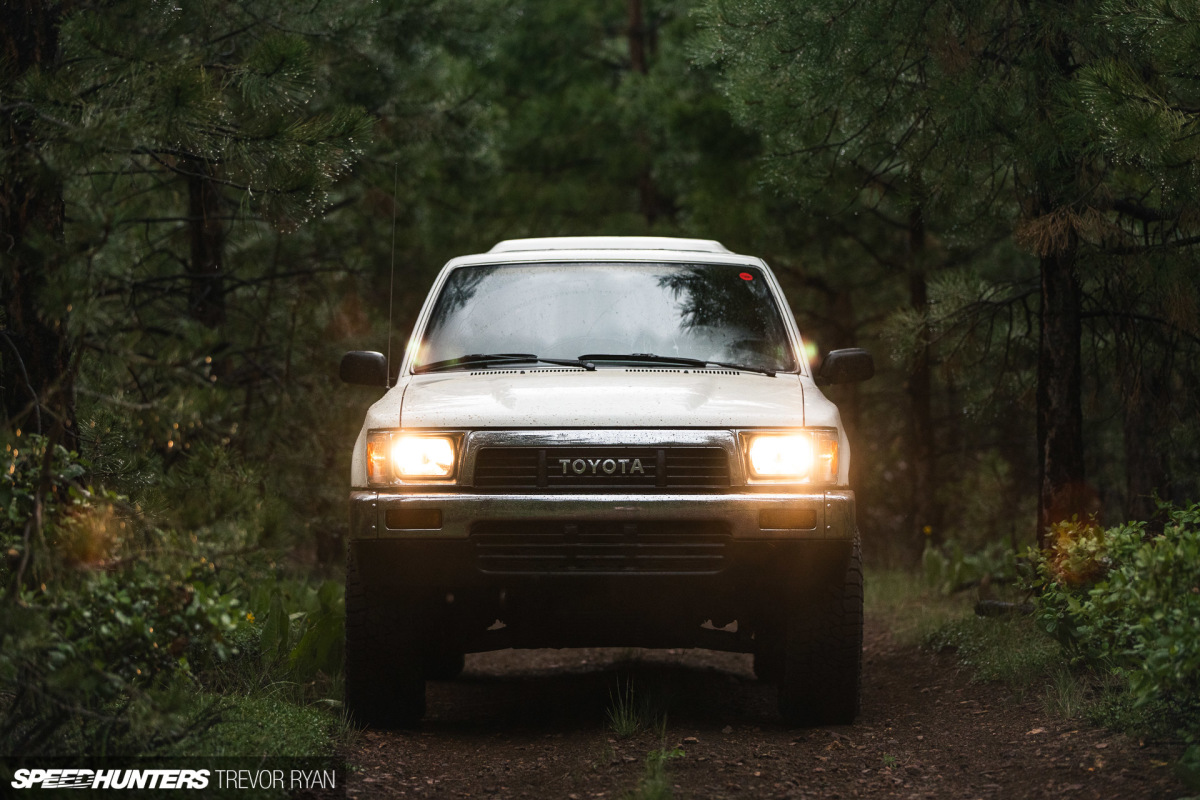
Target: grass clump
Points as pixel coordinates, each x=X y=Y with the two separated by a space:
x=1012 y=651
x=656 y=781
x=262 y=725
x=913 y=609
x=630 y=713
x=1016 y=652
x=623 y=717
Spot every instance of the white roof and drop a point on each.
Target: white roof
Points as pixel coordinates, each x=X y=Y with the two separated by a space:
x=610 y=243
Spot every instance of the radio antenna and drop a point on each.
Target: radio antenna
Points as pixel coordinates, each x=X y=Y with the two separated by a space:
x=392 y=272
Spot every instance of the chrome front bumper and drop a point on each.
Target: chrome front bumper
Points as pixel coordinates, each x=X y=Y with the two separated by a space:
x=825 y=515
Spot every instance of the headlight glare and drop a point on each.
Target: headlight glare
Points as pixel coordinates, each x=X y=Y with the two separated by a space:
x=423 y=457
x=809 y=456
x=394 y=457
x=781 y=456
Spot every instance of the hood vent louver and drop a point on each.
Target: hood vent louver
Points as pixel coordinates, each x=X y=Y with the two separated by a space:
x=627 y=369
x=690 y=371
x=523 y=371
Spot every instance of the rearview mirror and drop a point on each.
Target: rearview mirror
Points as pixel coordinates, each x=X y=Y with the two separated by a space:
x=364 y=367
x=849 y=365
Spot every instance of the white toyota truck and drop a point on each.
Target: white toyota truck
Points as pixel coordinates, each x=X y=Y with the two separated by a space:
x=603 y=441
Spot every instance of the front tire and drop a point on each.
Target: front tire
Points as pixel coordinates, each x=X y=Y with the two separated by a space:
x=444 y=666
x=822 y=670
x=385 y=681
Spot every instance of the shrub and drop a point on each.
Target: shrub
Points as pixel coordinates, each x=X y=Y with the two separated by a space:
x=1131 y=599
x=95 y=637
x=950 y=568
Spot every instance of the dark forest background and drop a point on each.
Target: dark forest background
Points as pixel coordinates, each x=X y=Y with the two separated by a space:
x=200 y=204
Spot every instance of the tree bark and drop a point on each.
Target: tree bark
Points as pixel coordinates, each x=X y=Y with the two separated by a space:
x=923 y=510
x=1147 y=417
x=651 y=203
x=1063 y=492
x=206 y=302
x=36 y=370
x=637 y=37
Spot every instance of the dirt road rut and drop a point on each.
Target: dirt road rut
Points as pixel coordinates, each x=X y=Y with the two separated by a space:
x=532 y=724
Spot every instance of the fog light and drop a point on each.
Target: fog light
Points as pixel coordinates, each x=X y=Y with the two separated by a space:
x=787 y=518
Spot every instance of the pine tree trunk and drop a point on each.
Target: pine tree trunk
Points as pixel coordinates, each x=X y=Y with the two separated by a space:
x=637 y=36
x=923 y=509
x=1060 y=383
x=1062 y=493
x=206 y=302
x=36 y=374
x=1147 y=417
x=651 y=203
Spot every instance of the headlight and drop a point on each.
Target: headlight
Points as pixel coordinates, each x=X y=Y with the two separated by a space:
x=393 y=456
x=423 y=457
x=806 y=456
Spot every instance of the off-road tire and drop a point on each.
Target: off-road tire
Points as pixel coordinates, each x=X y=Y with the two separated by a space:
x=385 y=682
x=768 y=664
x=822 y=672
x=443 y=666
x=768 y=650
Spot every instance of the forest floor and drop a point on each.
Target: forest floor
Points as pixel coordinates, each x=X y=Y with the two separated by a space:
x=533 y=724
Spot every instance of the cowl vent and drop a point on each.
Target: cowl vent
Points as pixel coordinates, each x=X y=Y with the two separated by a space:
x=627 y=369
x=523 y=371
x=692 y=371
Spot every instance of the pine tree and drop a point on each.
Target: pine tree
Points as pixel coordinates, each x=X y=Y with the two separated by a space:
x=1068 y=122
x=158 y=129
x=36 y=369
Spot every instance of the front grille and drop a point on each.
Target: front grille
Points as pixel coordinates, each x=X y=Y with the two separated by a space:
x=599 y=546
x=610 y=468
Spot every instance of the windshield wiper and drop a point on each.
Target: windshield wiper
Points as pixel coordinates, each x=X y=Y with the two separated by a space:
x=486 y=360
x=651 y=358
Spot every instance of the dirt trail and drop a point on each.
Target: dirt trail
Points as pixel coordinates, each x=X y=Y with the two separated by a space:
x=533 y=724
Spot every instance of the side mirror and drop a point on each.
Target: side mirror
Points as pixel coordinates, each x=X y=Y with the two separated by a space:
x=364 y=367
x=850 y=365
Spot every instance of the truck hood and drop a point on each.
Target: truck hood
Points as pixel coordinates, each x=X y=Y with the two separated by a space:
x=605 y=398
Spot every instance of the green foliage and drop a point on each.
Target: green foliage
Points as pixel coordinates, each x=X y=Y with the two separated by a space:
x=1016 y=652
x=302 y=626
x=258 y=724
x=912 y=610
x=948 y=150
x=1129 y=598
x=94 y=644
x=950 y=568
x=1012 y=651
x=1188 y=767
x=629 y=713
x=656 y=781
x=195 y=85
x=115 y=634
x=319 y=650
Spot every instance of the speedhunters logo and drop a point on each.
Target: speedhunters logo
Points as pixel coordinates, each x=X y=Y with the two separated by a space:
x=290 y=780
x=111 y=779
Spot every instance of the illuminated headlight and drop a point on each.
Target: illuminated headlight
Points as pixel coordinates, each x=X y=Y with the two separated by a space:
x=805 y=456
x=393 y=456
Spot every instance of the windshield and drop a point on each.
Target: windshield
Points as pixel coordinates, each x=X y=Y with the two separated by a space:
x=709 y=312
